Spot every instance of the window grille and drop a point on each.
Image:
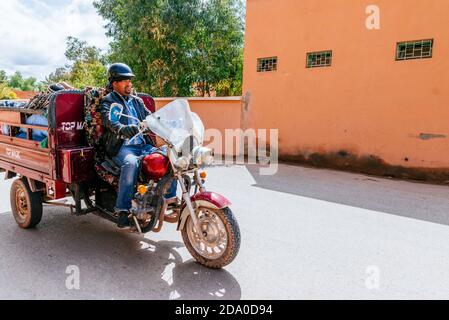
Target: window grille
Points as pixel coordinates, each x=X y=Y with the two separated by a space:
x=409 y=50
x=267 y=64
x=319 y=59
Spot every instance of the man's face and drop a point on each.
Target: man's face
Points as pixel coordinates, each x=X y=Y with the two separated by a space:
x=124 y=87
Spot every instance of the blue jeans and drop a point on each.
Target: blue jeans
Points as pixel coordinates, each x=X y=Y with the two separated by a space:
x=128 y=160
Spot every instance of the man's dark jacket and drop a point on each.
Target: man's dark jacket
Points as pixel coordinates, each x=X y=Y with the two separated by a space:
x=112 y=139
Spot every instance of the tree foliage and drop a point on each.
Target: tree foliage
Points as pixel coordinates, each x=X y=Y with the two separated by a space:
x=18 y=82
x=6 y=93
x=176 y=46
x=87 y=66
x=61 y=74
x=3 y=77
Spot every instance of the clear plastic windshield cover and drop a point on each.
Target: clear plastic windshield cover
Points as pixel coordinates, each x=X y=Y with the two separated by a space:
x=175 y=123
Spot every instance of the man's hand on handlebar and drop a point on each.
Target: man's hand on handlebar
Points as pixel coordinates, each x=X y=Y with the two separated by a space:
x=129 y=131
x=144 y=128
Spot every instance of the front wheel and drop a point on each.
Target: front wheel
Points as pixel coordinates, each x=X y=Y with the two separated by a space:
x=221 y=237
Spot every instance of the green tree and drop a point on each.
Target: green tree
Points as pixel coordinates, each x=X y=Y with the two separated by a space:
x=87 y=74
x=61 y=74
x=218 y=51
x=3 y=77
x=233 y=84
x=16 y=81
x=87 y=68
x=175 y=44
x=77 y=50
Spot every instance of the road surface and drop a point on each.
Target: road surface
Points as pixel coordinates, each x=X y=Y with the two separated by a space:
x=306 y=234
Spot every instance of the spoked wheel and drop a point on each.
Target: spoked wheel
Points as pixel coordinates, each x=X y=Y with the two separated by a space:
x=26 y=205
x=221 y=237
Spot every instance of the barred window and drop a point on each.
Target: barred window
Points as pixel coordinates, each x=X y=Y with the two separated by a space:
x=267 y=64
x=319 y=59
x=421 y=49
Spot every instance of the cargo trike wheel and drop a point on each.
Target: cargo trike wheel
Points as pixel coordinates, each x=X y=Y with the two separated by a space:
x=221 y=237
x=26 y=205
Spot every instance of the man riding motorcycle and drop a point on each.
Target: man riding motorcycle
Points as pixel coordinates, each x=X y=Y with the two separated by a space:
x=124 y=144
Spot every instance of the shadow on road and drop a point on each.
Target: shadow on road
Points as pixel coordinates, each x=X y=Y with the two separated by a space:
x=402 y=198
x=191 y=281
x=113 y=264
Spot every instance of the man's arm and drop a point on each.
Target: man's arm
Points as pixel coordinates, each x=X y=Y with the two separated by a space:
x=113 y=123
x=114 y=126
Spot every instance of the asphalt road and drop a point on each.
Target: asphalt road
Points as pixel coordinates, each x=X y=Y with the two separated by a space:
x=306 y=234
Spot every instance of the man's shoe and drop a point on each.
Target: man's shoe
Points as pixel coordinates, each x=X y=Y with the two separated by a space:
x=123 y=220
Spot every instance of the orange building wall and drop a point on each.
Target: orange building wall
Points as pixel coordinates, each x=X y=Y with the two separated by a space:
x=366 y=103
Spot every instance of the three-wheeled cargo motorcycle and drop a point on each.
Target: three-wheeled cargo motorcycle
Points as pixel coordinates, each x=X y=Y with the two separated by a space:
x=71 y=163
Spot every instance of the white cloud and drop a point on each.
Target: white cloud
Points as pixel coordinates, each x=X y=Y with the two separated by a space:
x=33 y=33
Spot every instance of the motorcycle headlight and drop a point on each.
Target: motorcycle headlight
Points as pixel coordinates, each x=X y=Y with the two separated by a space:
x=202 y=156
x=182 y=163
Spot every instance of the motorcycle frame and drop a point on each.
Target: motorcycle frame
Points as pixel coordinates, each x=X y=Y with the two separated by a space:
x=200 y=199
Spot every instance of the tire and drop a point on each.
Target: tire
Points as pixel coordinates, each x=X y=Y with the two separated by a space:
x=228 y=224
x=26 y=205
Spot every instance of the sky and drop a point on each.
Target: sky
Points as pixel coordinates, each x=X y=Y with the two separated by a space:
x=33 y=33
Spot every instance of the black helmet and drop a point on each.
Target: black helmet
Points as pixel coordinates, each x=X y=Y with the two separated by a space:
x=119 y=71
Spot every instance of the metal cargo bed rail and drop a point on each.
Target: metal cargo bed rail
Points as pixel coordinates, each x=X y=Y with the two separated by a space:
x=22 y=152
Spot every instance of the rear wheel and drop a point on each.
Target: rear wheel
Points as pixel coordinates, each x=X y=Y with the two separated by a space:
x=221 y=237
x=26 y=205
